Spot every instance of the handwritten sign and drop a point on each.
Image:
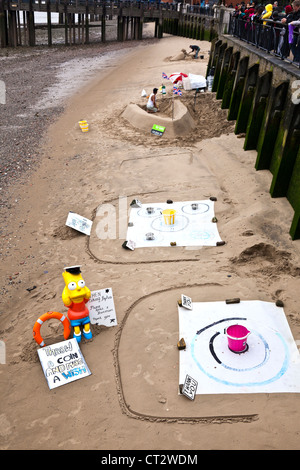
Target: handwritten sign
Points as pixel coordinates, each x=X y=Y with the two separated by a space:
x=63 y=363
x=189 y=387
x=79 y=223
x=102 y=308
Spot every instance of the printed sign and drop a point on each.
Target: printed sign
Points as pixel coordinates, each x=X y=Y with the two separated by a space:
x=157 y=130
x=186 y=302
x=102 y=308
x=189 y=387
x=63 y=363
x=79 y=223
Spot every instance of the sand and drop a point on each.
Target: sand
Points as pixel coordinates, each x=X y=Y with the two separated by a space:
x=131 y=401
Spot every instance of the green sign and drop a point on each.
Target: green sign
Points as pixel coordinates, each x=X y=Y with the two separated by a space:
x=157 y=130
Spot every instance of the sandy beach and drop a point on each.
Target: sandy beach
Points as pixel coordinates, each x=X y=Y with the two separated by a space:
x=130 y=401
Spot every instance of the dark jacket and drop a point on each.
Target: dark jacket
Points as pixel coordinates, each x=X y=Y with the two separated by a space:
x=295 y=16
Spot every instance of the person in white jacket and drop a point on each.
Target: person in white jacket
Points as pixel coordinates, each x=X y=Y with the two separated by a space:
x=151 y=105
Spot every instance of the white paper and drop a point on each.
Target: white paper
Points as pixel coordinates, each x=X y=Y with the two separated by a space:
x=102 y=308
x=193 y=227
x=197 y=81
x=63 y=363
x=79 y=223
x=270 y=364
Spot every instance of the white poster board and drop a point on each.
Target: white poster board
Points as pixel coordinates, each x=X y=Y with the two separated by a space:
x=79 y=223
x=102 y=308
x=193 y=225
x=63 y=363
x=270 y=363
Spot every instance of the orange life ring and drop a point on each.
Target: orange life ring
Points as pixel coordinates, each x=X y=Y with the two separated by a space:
x=47 y=316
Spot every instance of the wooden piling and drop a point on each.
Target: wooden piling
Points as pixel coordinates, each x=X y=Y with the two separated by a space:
x=258 y=109
x=230 y=80
x=30 y=25
x=238 y=88
x=293 y=196
x=247 y=99
x=270 y=125
x=218 y=66
x=285 y=150
x=224 y=72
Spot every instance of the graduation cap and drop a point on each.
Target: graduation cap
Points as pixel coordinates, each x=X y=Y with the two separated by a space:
x=73 y=269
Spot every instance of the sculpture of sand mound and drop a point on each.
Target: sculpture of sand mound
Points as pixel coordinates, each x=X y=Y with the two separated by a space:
x=175 y=117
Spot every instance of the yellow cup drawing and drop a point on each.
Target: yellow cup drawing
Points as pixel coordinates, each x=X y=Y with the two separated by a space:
x=169 y=216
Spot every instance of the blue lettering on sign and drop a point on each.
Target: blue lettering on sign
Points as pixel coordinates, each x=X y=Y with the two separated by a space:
x=72 y=373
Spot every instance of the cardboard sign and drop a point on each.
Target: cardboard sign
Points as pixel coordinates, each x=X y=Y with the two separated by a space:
x=157 y=130
x=102 y=308
x=63 y=363
x=189 y=387
x=79 y=223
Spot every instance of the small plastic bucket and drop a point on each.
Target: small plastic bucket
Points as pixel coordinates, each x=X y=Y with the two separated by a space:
x=84 y=126
x=169 y=216
x=237 y=338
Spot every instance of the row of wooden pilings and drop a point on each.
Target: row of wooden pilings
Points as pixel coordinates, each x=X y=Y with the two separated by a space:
x=268 y=112
x=18 y=25
x=202 y=28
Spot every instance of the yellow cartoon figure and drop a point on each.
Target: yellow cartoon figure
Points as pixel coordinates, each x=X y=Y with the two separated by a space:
x=75 y=295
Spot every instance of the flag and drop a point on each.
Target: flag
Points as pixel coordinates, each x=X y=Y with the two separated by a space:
x=176 y=91
x=164 y=75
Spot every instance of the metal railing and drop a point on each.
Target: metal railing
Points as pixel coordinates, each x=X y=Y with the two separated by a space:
x=271 y=36
x=143 y=4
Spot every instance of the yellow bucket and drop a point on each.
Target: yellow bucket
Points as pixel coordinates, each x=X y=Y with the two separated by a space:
x=84 y=126
x=169 y=216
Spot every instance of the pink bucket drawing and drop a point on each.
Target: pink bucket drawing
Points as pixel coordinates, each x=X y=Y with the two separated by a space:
x=237 y=338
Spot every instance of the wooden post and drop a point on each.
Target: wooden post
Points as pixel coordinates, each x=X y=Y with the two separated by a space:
x=30 y=25
x=238 y=88
x=224 y=72
x=103 y=23
x=247 y=99
x=3 y=25
x=285 y=151
x=218 y=66
x=120 y=28
x=19 y=29
x=124 y=28
x=12 y=28
x=293 y=196
x=66 y=22
x=228 y=86
x=87 y=32
x=258 y=110
x=49 y=26
x=270 y=126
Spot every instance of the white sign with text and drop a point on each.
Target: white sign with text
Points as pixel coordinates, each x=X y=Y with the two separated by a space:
x=102 y=308
x=63 y=363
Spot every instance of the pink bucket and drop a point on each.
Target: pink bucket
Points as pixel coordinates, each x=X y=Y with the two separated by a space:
x=237 y=338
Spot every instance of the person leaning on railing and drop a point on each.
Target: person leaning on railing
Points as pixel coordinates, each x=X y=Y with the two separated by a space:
x=293 y=19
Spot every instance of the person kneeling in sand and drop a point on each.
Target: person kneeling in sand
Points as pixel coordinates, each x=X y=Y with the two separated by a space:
x=195 y=50
x=151 y=105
